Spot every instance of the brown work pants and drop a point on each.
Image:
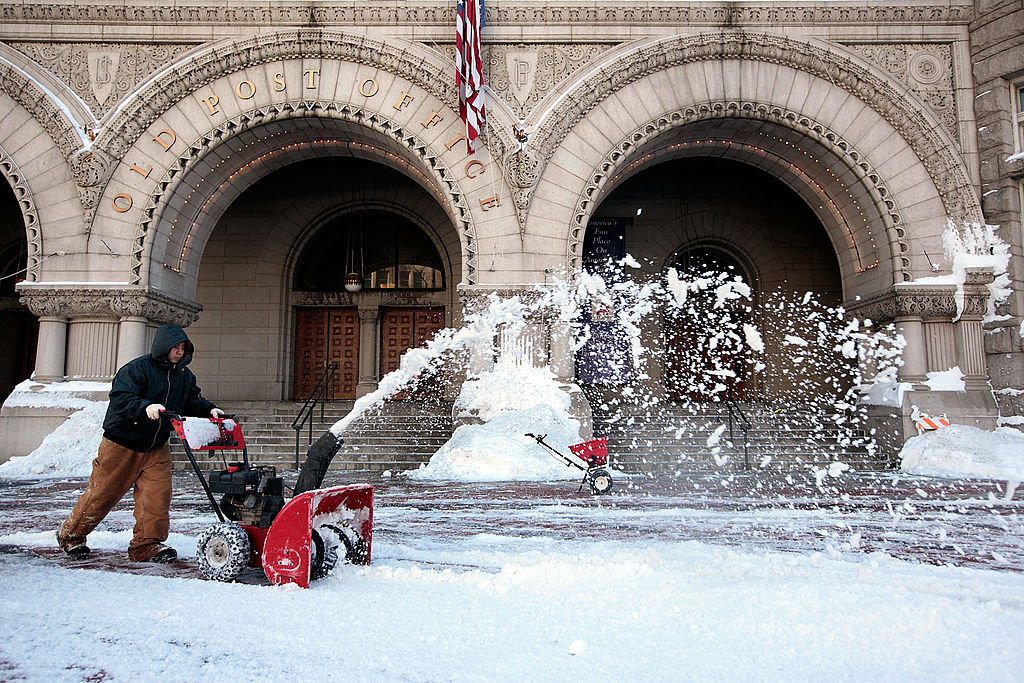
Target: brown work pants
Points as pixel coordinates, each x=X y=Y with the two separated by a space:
x=115 y=470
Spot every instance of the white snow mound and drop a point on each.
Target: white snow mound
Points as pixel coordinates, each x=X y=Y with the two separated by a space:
x=960 y=451
x=498 y=450
x=68 y=451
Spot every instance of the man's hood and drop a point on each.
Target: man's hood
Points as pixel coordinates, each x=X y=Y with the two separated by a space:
x=166 y=338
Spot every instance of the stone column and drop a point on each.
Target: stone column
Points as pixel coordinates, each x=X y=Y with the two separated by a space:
x=92 y=348
x=562 y=362
x=131 y=339
x=51 y=348
x=915 y=361
x=968 y=332
x=369 y=319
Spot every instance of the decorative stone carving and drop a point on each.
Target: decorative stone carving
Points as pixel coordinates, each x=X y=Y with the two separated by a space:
x=936 y=302
x=156 y=98
x=522 y=74
x=925 y=68
x=523 y=171
x=91 y=170
x=108 y=302
x=29 y=214
x=102 y=74
x=439 y=13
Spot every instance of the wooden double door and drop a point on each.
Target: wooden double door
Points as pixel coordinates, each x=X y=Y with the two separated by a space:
x=323 y=336
x=331 y=335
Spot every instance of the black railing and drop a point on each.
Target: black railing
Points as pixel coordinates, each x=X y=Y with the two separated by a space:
x=736 y=413
x=317 y=396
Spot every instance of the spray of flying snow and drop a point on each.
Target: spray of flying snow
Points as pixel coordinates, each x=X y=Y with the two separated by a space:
x=976 y=245
x=802 y=362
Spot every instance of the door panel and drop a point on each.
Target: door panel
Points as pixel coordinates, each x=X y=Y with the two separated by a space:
x=324 y=335
x=403 y=329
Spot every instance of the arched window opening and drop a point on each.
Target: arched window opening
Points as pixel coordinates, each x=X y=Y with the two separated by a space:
x=385 y=249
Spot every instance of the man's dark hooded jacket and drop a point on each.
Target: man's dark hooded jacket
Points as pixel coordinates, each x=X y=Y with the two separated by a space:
x=153 y=379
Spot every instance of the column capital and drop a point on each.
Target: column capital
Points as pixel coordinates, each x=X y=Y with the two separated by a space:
x=106 y=301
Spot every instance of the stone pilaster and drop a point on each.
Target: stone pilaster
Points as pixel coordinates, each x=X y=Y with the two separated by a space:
x=369 y=321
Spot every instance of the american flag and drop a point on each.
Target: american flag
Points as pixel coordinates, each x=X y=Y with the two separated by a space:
x=469 y=72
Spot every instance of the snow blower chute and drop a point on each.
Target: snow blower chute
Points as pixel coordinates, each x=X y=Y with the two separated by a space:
x=295 y=541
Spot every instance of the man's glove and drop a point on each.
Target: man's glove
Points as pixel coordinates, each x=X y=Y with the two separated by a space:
x=216 y=412
x=153 y=411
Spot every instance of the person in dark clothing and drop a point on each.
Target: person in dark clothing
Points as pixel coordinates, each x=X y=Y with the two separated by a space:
x=135 y=450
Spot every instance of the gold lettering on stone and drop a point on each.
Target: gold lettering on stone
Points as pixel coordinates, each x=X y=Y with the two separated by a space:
x=470 y=165
x=159 y=137
x=245 y=87
x=434 y=119
x=370 y=85
x=455 y=142
x=311 y=75
x=142 y=172
x=122 y=202
x=279 y=82
x=404 y=100
x=211 y=103
x=488 y=204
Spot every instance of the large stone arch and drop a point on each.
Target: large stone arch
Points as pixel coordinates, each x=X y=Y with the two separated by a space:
x=427 y=154
x=829 y=95
x=174 y=98
x=848 y=220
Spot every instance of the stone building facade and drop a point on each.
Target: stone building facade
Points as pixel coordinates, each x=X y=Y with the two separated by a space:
x=195 y=164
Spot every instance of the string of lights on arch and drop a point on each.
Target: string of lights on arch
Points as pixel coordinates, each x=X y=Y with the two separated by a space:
x=267 y=157
x=799 y=171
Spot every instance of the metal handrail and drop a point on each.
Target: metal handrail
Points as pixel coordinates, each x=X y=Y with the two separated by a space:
x=735 y=410
x=317 y=396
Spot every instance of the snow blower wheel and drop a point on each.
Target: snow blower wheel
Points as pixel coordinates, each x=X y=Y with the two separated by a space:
x=324 y=555
x=223 y=551
x=599 y=481
x=355 y=546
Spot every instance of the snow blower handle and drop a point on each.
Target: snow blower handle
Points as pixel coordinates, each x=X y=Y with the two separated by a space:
x=175 y=417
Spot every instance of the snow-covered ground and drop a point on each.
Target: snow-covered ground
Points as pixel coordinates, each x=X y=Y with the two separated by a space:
x=884 y=577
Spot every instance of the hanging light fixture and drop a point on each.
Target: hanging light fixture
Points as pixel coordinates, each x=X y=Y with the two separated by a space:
x=354 y=280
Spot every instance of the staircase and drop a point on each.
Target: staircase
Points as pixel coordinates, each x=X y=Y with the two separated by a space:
x=396 y=435
x=675 y=438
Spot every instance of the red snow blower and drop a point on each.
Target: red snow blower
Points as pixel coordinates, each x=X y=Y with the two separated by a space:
x=295 y=541
x=591 y=457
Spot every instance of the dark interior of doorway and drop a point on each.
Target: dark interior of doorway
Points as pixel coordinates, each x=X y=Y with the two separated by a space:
x=18 y=327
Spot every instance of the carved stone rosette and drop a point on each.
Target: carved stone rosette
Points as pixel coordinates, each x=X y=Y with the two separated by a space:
x=108 y=302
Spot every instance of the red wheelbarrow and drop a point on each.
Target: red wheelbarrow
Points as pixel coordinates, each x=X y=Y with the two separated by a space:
x=591 y=457
x=295 y=541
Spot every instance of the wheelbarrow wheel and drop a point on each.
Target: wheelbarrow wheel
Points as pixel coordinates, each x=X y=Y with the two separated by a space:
x=599 y=480
x=324 y=555
x=223 y=551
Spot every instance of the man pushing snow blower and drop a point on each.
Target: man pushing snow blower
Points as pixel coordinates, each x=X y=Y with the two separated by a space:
x=135 y=451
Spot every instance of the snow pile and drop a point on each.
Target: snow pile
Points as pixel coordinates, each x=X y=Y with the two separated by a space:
x=512 y=401
x=959 y=451
x=67 y=451
x=71 y=395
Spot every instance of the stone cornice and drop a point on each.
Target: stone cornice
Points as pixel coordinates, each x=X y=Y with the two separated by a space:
x=928 y=301
x=524 y=13
x=114 y=301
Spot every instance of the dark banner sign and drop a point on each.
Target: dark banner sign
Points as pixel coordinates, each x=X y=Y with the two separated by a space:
x=605 y=239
